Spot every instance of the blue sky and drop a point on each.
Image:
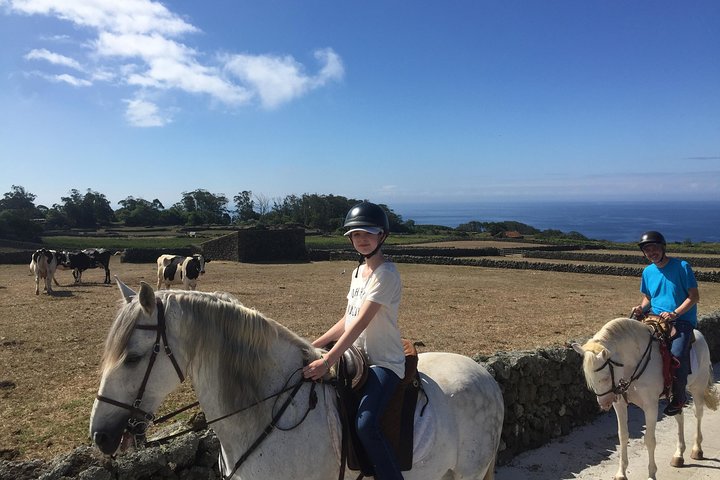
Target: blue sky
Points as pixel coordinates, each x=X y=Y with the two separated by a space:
x=396 y=102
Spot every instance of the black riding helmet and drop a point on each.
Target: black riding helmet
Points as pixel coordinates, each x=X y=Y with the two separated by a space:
x=368 y=217
x=366 y=214
x=651 y=237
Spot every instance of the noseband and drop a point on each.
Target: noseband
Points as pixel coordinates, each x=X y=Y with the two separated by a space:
x=623 y=385
x=140 y=419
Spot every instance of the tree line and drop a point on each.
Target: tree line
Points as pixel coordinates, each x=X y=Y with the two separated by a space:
x=21 y=219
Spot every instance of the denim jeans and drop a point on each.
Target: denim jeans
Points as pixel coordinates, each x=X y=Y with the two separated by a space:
x=681 y=350
x=377 y=392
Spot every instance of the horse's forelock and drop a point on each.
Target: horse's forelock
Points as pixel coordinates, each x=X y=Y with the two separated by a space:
x=119 y=335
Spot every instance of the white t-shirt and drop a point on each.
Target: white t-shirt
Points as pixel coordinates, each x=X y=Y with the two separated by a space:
x=380 y=340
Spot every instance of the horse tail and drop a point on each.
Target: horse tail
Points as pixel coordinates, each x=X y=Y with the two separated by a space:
x=711 y=394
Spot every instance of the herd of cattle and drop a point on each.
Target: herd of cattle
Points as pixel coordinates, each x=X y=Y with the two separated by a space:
x=172 y=269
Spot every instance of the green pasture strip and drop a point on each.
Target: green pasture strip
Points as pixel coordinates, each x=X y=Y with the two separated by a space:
x=114 y=243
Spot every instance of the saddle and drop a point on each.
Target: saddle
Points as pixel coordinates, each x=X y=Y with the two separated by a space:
x=664 y=331
x=398 y=420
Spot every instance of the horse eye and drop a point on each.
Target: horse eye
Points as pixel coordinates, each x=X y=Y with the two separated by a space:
x=132 y=359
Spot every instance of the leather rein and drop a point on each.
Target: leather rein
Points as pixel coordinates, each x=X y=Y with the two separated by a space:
x=140 y=419
x=623 y=385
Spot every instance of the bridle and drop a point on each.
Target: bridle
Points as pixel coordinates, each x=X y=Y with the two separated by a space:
x=623 y=385
x=140 y=419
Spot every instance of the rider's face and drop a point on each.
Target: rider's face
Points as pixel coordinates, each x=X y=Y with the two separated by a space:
x=654 y=252
x=365 y=242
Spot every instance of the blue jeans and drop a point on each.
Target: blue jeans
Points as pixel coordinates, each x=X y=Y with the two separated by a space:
x=377 y=392
x=681 y=350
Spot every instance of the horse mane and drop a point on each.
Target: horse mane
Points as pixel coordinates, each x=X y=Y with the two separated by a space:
x=223 y=338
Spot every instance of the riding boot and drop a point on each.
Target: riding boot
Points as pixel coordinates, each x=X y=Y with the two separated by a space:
x=677 y=399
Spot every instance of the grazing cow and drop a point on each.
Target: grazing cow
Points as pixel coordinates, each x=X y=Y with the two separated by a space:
x=43 y=265
x=83 y=260
x=178 y=269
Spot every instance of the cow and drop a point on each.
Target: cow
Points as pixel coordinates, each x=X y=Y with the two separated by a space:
x=85 y=259
x=178 y=269
x=43 y=264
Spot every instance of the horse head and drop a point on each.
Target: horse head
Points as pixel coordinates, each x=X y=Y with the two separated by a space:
x=141 y=366
x=598 y=368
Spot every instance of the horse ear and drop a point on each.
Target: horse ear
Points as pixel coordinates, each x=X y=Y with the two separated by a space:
x=127 y=292
x=578 y=348
x=603 y=355
x=147 y=298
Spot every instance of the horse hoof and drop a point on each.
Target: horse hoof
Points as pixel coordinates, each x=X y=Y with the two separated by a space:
x=619 y=477
x=677 y=462
x=697 y=455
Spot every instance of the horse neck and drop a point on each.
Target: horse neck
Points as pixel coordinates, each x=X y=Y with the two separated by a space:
x=276 y=365
x=630 y=349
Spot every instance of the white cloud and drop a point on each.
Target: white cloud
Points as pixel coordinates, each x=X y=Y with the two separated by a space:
x=71 y=80
x=138 y=16
x=136 y=43
x=54 y=58
x=277 y=80
x=141 y=113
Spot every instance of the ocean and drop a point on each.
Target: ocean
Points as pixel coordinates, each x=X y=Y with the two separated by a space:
x=613 y=221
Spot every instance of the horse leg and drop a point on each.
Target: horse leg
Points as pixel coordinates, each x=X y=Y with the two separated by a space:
x=37 y=285
x=699 y=400
x=678 y=459
x=622 y=420
x=651 y=411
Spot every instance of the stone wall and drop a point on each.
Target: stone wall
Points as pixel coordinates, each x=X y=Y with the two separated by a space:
x=259 y=245
x=596 y=269
x=705 y=262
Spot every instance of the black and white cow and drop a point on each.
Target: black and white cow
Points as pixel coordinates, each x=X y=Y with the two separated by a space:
x=173 y=269
x=43 y=264
x=83 y=260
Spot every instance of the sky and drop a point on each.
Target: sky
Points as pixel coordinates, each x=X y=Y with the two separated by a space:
x=397 y=102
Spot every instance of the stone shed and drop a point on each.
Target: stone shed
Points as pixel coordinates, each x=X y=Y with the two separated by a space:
x=258 y=245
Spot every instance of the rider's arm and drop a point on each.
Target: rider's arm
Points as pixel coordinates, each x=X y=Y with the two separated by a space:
x=643 y=307
x=692 y=299
x=333 y=333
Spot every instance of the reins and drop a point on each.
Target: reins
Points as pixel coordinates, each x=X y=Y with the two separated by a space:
x=623 y=385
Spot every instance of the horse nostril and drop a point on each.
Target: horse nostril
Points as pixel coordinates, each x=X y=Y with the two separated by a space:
x=102 y=440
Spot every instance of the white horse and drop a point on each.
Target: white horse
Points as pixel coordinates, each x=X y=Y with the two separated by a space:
x=623 y=364
x=236 y=358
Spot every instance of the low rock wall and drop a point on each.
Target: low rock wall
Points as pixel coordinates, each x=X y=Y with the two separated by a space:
x=544 y=392
x=705 y=262
x=595 y=269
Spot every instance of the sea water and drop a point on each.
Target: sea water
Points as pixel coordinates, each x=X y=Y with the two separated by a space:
x=613 y=221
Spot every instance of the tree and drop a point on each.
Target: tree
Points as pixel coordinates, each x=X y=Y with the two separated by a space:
x=17 y=214
x=86 y=211
x=203 y=207
x=139 y=212
x=245 y=206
